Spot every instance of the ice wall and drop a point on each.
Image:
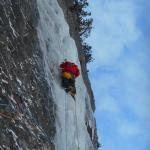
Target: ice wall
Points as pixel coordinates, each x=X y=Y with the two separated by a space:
x=57 y=45
x=34 y=40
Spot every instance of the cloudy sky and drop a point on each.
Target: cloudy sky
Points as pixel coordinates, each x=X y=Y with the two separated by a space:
x=120 y=72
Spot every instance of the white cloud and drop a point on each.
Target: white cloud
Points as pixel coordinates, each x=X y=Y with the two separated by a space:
x=115 y=28
x=108 y=105
x=120 y=72
x=137 y=85
x=128 y=130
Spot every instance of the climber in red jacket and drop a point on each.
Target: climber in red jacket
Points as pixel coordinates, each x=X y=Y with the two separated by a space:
x=70 y=67
x=69 y=72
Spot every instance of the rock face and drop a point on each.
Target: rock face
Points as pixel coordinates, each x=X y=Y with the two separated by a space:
x=35 y=112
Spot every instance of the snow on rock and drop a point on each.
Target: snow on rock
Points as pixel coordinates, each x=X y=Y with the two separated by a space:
x=4 y=81
x=14 y=136
x=13 y=30
x=20 y=83
x=57 y=45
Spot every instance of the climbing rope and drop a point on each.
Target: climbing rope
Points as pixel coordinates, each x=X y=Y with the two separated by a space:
x=66 y=120
x=75 y=123
x=77 y=127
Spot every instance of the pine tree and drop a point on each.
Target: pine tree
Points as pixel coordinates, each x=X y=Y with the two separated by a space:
x=85 y=26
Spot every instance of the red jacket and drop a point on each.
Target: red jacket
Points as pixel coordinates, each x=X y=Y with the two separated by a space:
x=70 y=67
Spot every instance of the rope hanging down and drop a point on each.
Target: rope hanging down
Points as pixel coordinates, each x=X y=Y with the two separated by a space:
x=76 y=124
x=76 y=119
x=66 y=120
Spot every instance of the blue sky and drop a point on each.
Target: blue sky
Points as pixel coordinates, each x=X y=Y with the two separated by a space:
x=120 y=73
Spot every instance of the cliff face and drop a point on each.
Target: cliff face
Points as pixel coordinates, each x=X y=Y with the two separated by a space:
x=35 y=112
x=72 y=20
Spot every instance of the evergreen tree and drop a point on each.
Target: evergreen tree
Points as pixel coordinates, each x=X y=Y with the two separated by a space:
x=85 y=26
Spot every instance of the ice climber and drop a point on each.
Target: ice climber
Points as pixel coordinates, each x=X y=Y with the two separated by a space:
x=69 y=71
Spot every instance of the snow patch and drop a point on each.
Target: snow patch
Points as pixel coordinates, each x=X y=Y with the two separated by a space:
x=15 y=137
x=20 y=83
x=13 y=30
x=4 y=81
x=3 y=91
x=12 y=98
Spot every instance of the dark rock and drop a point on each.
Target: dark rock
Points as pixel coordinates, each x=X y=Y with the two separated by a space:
x=21 y=74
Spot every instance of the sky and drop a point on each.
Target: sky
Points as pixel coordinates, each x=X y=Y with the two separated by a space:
x=120 y=72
